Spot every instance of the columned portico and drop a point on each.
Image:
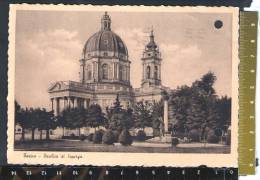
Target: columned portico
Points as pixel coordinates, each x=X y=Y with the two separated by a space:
x=58 y=104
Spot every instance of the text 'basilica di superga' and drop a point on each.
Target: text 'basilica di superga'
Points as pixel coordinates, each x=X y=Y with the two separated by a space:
x=105 y=73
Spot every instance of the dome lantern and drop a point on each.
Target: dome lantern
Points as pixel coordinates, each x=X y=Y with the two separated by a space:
x=105 y=22
x=105 y=43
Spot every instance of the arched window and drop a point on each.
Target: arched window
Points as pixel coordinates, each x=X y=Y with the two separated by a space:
x=104 y=71
x=89 y=72
x=148 y=72
x=120 y=73
x=156 y=72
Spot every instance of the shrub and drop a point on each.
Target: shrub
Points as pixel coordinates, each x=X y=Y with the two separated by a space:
x=82 y=137
x=97 y=137
x=194 y=135
x=175 y=141
x=108 y=137
x=116 y=135
x=141 y=136
x=90 y=137
x=180 y=135
x=125 y=138
x=211 y=137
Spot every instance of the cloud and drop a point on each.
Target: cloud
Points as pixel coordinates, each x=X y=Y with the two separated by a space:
x=43 y=58
x=135 y=40
x=181 y=64
x=178 y=62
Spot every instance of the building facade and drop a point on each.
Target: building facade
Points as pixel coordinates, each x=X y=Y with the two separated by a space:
x=105 y=73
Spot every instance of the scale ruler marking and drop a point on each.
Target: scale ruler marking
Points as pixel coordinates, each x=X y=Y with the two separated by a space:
x=247 y=82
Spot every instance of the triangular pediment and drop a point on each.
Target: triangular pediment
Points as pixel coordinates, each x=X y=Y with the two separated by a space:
x=57 y=86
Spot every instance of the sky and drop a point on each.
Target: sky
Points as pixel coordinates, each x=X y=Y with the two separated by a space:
x=49 y=45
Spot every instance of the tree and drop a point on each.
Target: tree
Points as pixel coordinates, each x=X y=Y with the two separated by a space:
x=95 y=117
x=202 y=114
x=32 y=116
x=73 y=118
x=223 y=106
x=47 y=121
x=119 y=118
x=125 y=138
x=143 y=114
x=20 y=119
x=195 y=107
x=179 y=103
x=157 y=116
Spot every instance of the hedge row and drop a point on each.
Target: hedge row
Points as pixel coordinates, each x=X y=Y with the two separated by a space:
x=109 y=137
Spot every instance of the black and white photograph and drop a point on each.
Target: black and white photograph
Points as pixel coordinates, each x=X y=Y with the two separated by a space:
x=124 y=81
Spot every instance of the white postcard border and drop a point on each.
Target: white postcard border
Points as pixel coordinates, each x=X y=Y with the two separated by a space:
x=123 y=159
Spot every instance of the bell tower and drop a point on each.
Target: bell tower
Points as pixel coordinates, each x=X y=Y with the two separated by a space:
x=151 y=64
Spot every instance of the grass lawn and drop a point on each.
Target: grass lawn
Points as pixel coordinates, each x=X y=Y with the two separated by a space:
x=85 y=146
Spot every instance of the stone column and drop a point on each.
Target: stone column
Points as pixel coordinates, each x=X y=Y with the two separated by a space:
x=95 y=72
x=152 y=71
x=70 y=102
x=159 y=71
x=52 y=106
x=57 y=106
x=85 y=103
x=117 y=71
x=75 y=103
x=165 y=116
x=129 y=72
x=88 y=103
x=113 y=70
x=65 y=101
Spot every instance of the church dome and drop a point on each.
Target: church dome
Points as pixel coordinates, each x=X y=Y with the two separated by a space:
x=105 y=42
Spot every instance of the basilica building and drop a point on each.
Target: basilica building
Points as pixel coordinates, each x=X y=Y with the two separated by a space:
x=105 y=73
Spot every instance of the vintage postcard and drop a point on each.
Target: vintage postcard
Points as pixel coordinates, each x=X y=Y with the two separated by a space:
x=123 y=85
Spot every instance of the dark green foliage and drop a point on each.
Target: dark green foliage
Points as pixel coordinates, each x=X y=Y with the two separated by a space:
x=108 y=138
x=95 y=117
x=198 y=107
x=224 y=111
x=141 y=136
x=194 y=135
x=97 y=137
x=72 y=135
x=211 y=137
x=82 y=137
x=157 y=117
x=72 y=118
x=179 y=103
x=46 y=121
x=175 y=141
x=125 y=138
x=119 y=118
x=33 y=119
x=116 y=135
x=218 y=132
x=143 y=114
x=90 y=137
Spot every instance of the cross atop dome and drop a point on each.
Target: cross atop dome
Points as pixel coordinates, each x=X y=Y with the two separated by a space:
x=105 y=22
